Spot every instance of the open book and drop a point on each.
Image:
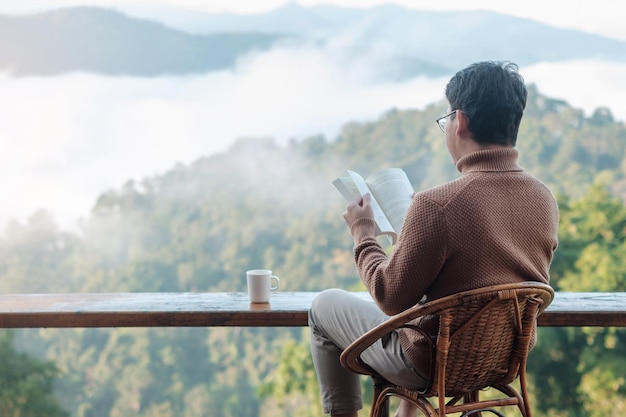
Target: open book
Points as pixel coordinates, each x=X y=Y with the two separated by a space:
x=391 y=192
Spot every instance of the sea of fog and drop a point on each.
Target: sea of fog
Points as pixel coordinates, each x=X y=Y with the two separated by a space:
x=67 y=139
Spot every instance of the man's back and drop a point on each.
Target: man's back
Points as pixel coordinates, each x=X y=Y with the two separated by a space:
x=501 y=224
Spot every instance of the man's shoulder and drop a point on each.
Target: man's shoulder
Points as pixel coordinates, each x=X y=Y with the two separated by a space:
x=442 y=193
x=476 y=184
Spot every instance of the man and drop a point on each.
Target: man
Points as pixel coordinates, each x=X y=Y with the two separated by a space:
x=495 y=224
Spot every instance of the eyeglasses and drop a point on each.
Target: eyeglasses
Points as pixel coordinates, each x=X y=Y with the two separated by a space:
x=443 y=120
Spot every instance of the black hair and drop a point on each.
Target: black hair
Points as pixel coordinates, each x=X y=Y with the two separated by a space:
x=493 y=96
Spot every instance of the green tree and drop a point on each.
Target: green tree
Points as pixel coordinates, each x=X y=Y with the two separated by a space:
x=577 y=369
x=25 y=383
x=294 y=382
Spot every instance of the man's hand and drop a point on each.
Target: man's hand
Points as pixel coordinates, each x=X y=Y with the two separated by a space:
x=359 y=209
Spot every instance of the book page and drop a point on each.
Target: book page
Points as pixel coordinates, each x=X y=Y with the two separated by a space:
x=347 y=188
x=354 y=186
x=394 y=194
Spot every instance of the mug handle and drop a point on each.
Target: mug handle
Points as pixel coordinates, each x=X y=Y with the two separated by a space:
x=275 y=287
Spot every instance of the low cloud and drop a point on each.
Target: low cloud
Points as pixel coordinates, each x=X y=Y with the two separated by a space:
x=67 y=139
x=586 y=85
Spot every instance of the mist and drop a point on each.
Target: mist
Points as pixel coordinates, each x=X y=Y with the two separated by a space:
x=68 y=139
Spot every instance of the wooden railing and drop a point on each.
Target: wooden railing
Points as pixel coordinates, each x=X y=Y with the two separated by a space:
x=234 y=309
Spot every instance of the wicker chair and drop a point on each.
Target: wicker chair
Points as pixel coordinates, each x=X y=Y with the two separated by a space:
x=483 y=341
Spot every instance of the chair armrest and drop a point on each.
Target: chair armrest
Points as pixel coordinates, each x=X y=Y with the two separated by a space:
x=350 y=357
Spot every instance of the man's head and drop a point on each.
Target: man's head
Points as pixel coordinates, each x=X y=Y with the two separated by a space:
x=493 y=96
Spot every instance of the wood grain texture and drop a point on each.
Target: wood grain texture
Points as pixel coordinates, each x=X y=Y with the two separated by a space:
x=233 y=309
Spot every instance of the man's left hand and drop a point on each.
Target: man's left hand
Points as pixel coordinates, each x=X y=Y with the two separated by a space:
x=358 y=209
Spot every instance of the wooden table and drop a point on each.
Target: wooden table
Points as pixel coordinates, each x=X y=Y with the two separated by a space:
x=234 y=309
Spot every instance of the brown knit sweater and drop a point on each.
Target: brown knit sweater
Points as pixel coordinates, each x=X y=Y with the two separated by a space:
x=495 y=224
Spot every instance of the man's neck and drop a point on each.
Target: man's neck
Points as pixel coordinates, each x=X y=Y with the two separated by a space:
x=468 y=145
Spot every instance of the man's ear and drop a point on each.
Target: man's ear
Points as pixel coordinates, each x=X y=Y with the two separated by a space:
x=462 y=124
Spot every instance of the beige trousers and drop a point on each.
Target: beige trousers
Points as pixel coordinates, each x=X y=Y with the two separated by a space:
x=336 y=319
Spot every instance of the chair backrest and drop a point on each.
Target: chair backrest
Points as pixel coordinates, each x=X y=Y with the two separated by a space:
x=485 y=336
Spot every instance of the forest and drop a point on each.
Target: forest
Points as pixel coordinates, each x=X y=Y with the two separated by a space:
x=261 y=204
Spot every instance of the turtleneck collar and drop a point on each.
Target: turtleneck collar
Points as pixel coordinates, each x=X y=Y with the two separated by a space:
x=490 y=160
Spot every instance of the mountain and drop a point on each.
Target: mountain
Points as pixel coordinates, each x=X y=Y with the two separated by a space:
x=401 y=42
x=108 y=42
x=451 y=37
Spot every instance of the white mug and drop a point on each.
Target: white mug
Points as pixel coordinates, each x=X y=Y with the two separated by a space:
x=260 y=285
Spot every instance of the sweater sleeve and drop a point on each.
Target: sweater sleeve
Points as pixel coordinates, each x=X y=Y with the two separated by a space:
x=399 y=281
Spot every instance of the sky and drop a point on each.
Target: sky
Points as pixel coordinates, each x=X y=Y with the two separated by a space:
x=65 y=140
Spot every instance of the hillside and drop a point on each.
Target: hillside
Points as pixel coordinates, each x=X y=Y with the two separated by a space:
x=198 y=227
